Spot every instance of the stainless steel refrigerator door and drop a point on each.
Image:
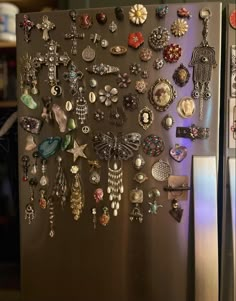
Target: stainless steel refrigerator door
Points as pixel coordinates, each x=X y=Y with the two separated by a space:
x=228 y=274
x=124 y=260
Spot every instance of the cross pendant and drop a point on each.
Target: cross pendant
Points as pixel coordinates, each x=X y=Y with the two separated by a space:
x=27 y=25
x=74 y=36
x=46 y=26
x=52 y=59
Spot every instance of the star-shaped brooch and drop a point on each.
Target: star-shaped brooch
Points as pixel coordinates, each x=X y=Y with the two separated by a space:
x=77 y=151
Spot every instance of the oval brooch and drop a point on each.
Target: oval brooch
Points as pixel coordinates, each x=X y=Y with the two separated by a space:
x=161 y=94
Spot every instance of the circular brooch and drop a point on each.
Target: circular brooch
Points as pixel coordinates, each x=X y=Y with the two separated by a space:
x=161 y=170
x=179 y=27
x=138 y=14
x=130 y=102
x=172 y=53
x=181 y=76
x=153 y=145
x=141 y=86
x=158 y=64
x=186 y=107
x=158 y=38
x=135 y=68
x=145 y=54
x=161 y=94
x=101 y=18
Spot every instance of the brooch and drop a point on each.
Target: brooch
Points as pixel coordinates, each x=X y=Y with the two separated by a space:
x=145 y=118
x=178 y=152
x=172 y=53
x=167 y=122
x=153 y=145
x=161 y=170
x=108 y=95
x=138 y=14
x=102 y=69
x=186 y=107
x=179 y=27
x=181 y=76
x=135 y=39
x=118 y=50
x=193 y=132
x=85 y=21
x=183 y=13
x=161 y=11
x=161 y=94
x=158 y=38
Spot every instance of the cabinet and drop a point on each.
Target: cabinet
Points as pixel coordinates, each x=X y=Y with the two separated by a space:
x=9 y=203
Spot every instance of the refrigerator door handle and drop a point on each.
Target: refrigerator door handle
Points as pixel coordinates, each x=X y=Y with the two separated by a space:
x=205 y=228
x=232 y=189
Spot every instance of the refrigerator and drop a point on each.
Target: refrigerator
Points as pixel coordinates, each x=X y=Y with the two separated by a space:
x=228 y=271
x=118 y=112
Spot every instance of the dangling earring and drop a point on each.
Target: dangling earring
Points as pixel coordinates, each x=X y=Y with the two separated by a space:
x=77 y=195
x=29 y=208
x=115 y=186
x=25 y=159
x=34 y=168
x=60 y=185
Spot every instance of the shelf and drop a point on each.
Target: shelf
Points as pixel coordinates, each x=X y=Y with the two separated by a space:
x=7 y=44
x=8 y=103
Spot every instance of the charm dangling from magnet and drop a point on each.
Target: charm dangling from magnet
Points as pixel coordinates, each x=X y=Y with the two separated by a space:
x=176 y=211
x=203 y=61
x=136 y=198
x=29 y=208
x=105 y=217
x=94 y=175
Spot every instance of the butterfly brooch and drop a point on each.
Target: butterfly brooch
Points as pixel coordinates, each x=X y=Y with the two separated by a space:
x=121 y=147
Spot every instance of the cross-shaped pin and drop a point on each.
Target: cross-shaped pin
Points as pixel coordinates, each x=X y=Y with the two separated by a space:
x=52 y=59
x=74 y=36
x=27 y=25
x=46 y=26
